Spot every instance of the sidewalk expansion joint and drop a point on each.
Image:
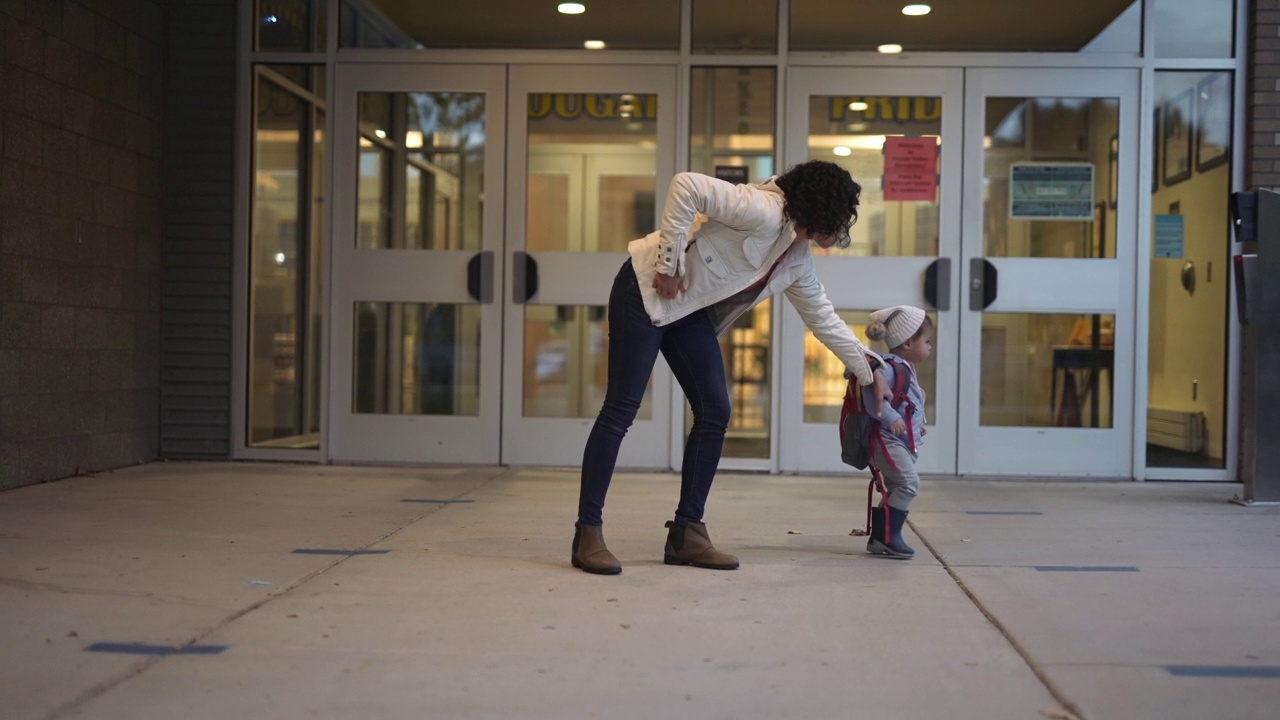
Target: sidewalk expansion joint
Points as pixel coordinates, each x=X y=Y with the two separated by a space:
x=1055 y=691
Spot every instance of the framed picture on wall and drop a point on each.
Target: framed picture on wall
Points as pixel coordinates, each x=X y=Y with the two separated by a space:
x=1177 y=138
x=1213 y=120
x=1113 y=157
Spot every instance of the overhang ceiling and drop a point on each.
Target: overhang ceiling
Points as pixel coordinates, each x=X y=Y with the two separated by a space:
x=746 y=25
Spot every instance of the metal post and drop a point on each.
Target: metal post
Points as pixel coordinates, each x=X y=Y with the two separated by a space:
x=1259 y=306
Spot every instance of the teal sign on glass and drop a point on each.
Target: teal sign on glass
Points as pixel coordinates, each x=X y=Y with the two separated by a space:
x=1169 y=236
x=1051 y=191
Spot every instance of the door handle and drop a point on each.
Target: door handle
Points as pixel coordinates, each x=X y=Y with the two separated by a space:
x=524 y=277
x=937 y=284
x=982 y=284
x=480 y=277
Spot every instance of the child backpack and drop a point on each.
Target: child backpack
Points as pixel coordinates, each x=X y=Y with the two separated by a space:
x=858 y=428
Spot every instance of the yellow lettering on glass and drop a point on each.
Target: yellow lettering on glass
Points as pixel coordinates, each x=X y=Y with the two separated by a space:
x=899 y=109
x=568 y=106
x=571 y=106
x=600 y=106
x=539 y=105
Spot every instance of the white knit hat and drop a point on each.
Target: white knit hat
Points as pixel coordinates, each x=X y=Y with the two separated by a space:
x=895 y=325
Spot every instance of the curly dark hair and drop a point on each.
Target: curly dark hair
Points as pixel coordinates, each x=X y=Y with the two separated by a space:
x=820 y=196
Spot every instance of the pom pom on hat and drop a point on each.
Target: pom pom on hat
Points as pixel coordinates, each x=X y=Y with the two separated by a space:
x=895 y=325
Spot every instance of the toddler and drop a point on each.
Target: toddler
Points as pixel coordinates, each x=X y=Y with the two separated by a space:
x=908 y=333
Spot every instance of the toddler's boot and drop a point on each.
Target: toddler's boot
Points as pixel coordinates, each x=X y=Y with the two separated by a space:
x=689 y=544
x=894 y=546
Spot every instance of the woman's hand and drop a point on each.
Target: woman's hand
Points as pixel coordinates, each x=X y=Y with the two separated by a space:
x=668 y=286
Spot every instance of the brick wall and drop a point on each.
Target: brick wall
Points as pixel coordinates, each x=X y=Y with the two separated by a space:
x=1262 y=102
x=80 y=235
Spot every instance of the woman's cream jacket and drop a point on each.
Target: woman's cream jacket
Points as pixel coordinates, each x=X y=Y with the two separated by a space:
x=744 y=235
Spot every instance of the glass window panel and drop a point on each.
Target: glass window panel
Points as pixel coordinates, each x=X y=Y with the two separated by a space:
x=1064 y=154
x=874 y=138
x=1193 y=28
x=505 y=24
x=299 y=74
x=733 y=121
x=417 y=359
x=566 y=352
x=284 y=270
x=315 y=280
x=360 y=25
x=1190 y=300
x=290 y=25
x=1110 y=26
x=374 y=215
x=1047 y=370
x=746 y=347
x=421 y=170
x=824 y=381
x=550 y=194
x=625 y=211
x=732 y=26
x=592 y=178
x=732 y=137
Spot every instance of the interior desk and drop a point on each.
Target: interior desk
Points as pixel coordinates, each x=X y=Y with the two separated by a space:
x=1093 y=361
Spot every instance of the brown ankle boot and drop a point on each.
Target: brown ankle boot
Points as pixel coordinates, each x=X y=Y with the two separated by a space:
x=589 y=552
x=688 y=544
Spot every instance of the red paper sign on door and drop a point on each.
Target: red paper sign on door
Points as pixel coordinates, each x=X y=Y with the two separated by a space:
x=910 y=168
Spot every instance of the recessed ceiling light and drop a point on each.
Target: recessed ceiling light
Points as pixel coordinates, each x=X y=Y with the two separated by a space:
x=593 y=44
x=858 y=106
x=579 y=8
x=890 y=48
x=842 y=151
x=911 y=10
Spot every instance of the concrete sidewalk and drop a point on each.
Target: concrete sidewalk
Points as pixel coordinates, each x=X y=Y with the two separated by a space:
x=235 y=590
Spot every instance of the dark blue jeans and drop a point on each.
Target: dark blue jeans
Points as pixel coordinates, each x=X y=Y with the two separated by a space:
x=691 y=349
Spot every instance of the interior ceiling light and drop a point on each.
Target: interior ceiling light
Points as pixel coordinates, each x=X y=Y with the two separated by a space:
x=858 y=106
x=911 y=10
x=593 y=44
x=890 y=48
x=842 y=151
x=579 y=8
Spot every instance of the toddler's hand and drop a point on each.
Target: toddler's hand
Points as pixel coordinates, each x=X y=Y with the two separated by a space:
x=898 y=427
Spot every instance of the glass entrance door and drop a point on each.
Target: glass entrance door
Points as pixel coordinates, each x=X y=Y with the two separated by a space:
x=1017 y=237
x=592 y=150
x=1048 y=272
x=416 y=334
x=898 y=132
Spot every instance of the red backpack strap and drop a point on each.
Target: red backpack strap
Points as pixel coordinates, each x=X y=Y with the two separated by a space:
x=901 y=381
